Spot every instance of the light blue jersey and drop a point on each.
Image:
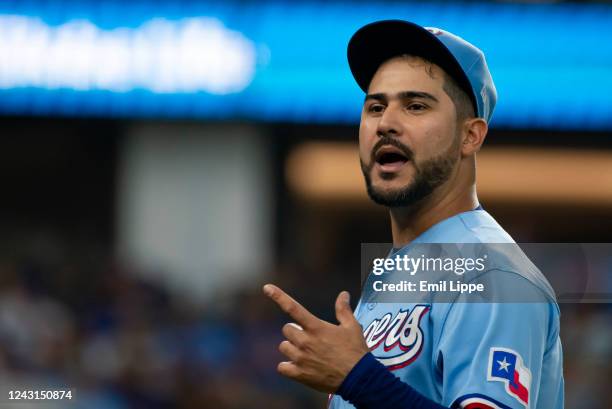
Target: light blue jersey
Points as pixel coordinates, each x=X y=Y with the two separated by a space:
x=466 y=354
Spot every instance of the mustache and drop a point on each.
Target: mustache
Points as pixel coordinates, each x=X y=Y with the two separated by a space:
x=387 y=140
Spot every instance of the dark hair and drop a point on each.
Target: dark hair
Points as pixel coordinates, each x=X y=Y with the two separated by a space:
x=462 y=101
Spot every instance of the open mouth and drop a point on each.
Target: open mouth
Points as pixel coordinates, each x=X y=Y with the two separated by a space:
x=390 y=158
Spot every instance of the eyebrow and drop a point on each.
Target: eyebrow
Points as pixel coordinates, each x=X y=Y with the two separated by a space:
x=403 y=95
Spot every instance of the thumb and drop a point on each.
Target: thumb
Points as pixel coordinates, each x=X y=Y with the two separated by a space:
x=344 y=313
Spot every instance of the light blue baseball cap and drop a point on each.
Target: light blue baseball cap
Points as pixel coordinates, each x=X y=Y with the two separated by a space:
x=377 y=42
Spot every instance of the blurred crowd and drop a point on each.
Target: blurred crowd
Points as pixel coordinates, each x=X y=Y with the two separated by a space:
x=82 y=320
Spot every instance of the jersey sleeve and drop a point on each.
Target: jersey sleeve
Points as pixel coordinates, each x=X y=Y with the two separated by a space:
x=491 y=355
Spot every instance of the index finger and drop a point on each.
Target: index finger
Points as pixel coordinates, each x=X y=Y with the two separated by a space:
x=293 y=308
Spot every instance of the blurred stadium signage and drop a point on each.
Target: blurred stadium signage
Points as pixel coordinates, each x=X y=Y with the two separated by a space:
x=275 y=61
x=189 y=55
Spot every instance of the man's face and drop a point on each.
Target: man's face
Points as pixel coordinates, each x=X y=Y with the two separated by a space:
x=408 y=136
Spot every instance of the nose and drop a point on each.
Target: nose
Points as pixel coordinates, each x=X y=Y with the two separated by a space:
x=389 y=123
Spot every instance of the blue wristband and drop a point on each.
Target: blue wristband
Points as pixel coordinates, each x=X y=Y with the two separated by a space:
x=370 y=385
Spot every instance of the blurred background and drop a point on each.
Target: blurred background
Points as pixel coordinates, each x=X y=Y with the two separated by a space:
x=161 y=160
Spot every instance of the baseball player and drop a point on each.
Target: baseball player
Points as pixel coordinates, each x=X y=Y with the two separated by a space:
x=429 y=99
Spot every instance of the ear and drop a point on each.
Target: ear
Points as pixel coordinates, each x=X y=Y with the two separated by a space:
x=473 y=135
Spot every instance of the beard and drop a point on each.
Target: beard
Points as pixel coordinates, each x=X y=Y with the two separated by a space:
x=428 y=176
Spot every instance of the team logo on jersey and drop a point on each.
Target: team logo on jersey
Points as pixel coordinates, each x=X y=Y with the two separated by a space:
x=401 y=331
x=506 y=365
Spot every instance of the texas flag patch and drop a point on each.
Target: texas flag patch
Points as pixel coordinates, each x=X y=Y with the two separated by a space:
x=506 y=365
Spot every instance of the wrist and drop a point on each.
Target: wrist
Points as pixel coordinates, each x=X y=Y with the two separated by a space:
x=357 y=375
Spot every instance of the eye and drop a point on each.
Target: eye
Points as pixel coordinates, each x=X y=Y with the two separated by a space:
x=376 y=108
x=416 y=106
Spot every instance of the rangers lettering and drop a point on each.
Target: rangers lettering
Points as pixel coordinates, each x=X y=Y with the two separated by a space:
x=402 y=330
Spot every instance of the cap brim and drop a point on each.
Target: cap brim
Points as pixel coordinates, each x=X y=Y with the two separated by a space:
x=377 y=42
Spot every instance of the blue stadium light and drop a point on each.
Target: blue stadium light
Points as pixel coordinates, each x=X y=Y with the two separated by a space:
x=275 y=61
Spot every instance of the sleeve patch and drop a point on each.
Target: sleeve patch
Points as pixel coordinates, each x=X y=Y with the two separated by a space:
x=506 y=366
